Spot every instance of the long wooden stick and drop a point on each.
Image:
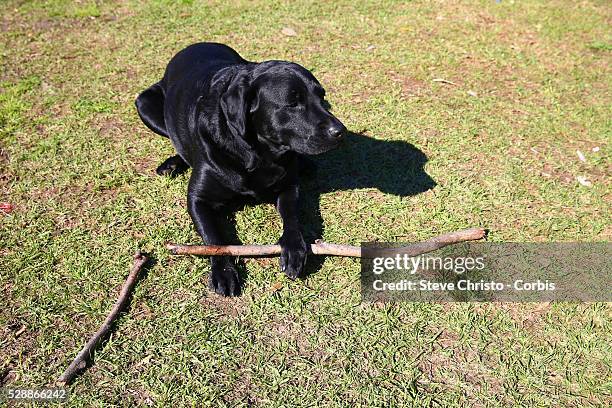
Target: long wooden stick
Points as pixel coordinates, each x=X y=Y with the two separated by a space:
x=80 y=361
x=324 y=248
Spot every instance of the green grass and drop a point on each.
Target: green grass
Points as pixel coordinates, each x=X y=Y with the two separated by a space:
x=78 y=165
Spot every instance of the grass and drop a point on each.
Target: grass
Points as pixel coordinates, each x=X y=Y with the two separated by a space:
x=78 y=166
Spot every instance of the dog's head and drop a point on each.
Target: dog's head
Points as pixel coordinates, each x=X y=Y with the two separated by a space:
x=282 y=105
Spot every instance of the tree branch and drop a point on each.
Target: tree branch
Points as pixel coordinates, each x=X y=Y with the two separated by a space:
x=80 y=361
x=324 y=248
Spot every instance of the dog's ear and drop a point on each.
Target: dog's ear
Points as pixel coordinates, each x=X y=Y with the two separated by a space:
x=234 y=104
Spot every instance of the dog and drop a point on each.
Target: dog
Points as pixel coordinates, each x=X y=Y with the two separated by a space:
x=241 y=127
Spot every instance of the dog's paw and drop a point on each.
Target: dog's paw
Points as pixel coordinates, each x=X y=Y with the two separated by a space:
x=224 y=278
x=173 y=166
x=293 y=254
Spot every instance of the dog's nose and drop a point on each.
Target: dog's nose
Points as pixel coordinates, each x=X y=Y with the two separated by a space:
x=336 y=130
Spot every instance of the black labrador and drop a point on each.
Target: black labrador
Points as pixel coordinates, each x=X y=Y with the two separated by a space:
x=241 y=126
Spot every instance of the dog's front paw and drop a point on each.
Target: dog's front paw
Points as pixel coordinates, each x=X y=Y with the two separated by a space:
x=293 y=254
x=224 y=278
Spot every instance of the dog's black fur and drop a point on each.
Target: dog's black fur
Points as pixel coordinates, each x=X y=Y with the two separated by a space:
x=241 y=127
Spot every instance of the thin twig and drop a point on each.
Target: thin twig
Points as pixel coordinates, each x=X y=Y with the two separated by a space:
x=444 y=81
x=324 y=248
x=80 y=361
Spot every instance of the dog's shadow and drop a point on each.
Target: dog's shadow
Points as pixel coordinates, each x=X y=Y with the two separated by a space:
x=393 y=167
